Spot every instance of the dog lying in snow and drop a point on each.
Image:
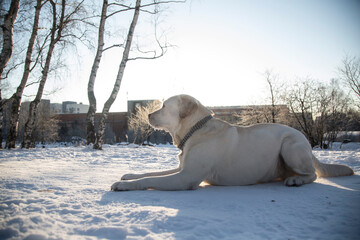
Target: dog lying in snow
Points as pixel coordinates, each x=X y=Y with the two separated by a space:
x=223 y=154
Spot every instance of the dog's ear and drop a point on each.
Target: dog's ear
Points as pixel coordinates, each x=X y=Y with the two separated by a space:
x=187 y=106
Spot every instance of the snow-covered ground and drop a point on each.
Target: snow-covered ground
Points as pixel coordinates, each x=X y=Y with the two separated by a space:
x=63 y=193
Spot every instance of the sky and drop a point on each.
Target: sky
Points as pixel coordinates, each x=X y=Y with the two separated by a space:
x=222 y=50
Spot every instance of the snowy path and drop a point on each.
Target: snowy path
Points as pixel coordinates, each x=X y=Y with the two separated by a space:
x=63 y=193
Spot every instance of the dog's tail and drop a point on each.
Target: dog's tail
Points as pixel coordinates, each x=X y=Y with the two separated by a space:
x=331 y=170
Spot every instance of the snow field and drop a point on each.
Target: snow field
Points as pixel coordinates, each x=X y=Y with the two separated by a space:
x=63 y=193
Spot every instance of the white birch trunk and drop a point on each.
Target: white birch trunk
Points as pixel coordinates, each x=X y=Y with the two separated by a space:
x=7 y=29
x=57 y=28
x=7 y=48
x=101 y=128
x=15 y=100
x=90 y=118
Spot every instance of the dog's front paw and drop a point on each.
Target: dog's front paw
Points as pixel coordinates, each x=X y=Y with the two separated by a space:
x=119 y=186
x=123 y=186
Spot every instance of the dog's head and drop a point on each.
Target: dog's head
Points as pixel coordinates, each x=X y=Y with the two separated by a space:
x=177 y=110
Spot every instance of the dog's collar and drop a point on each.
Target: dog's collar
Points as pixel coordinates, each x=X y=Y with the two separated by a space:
x=196 y=127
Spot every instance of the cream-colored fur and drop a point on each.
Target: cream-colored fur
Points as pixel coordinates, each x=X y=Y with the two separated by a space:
x=223 y=154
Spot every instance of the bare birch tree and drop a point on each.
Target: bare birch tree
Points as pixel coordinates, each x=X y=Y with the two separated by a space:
x=101 y=131
x=57 y=33
x=91 y=136
x=90 y=117
x=7 y=27
x=16 y=97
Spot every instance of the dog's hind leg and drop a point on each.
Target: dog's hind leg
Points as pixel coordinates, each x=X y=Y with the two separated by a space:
x=298 y=158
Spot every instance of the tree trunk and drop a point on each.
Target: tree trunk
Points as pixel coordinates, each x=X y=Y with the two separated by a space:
x=1 y=119
x=7 y=29
x=101 y=128
x=16 y=97
x=7 y=49
x=56 y=29
x=28 y=136
x=30 y=123
x=90 y=118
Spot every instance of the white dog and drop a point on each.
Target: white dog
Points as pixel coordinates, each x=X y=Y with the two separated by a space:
x=223 y=154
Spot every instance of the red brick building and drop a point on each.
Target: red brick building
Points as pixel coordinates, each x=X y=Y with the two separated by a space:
x=74 y=125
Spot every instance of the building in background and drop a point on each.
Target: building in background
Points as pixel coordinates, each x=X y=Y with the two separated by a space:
x=68 y=107
x=65 y=108
x=71 y=118
x=75 y=108
x=56 y=108
x=73 y=126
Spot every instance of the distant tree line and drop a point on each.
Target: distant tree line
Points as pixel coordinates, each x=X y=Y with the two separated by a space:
x=321 y=111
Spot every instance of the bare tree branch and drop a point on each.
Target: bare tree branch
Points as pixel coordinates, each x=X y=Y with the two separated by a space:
x=129 y=7
x=33 y=83
x=155 y=54
x=350 y=74
x=10 y=69
x=115 y=45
